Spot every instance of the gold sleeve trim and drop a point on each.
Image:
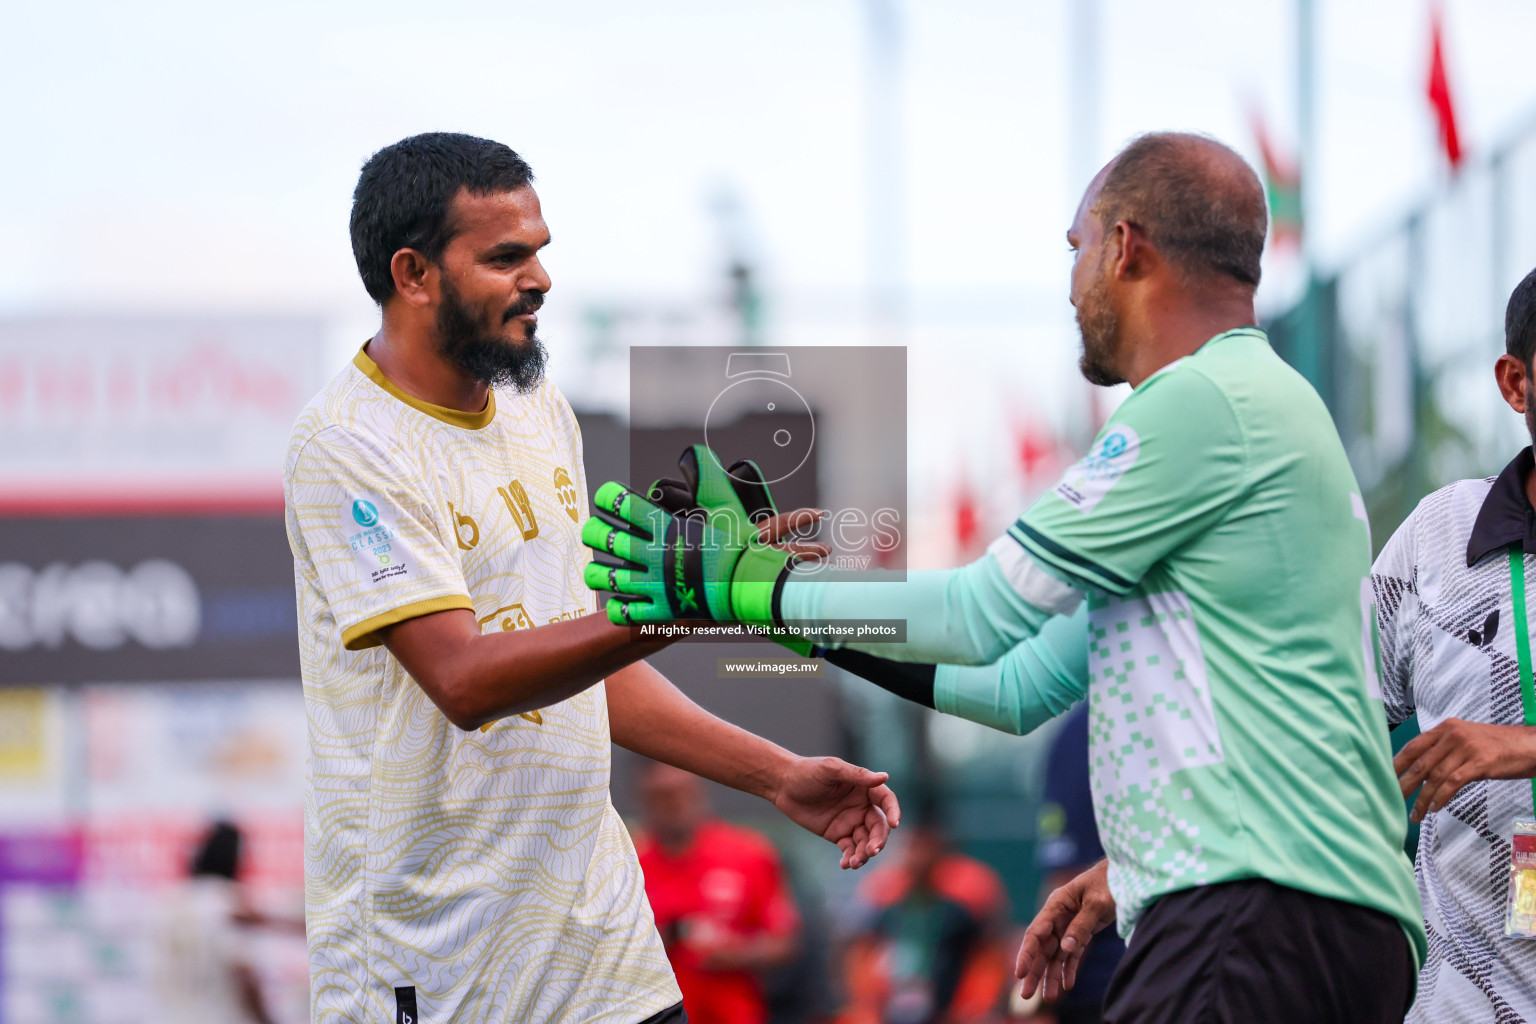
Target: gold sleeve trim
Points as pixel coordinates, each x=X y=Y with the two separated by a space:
x=365 y=634
x=467 y=420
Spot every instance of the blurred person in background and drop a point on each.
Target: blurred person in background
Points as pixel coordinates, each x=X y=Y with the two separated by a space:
x=930 y=943
x=805 y=990
x=204 y=972
x=720 y=898
x=1450 y=652
x=1068 y=845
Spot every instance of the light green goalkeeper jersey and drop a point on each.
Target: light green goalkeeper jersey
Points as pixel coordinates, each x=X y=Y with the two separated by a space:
x=1236 y=725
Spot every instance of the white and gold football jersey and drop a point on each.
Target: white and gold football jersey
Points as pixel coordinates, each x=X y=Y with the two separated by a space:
x=477 y=876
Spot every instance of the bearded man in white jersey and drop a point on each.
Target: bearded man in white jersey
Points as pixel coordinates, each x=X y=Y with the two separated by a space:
x=463 y=859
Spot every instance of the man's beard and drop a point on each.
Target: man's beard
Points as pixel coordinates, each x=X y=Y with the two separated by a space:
x=1100 y=330
x=489 y=359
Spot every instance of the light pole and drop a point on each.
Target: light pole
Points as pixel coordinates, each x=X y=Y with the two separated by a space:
x=884 y=178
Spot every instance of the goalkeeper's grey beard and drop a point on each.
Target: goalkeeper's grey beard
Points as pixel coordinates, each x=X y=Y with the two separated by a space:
x=1100 y=330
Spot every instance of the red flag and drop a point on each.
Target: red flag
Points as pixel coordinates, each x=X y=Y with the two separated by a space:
x=1439 y=91
x=1034 y=447
x=967 y=517
x=1282 y=181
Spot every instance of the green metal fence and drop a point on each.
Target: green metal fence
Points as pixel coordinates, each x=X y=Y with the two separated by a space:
x=1400 y=340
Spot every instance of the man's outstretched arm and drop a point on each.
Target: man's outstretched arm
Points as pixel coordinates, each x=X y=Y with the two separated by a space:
x=712 y=562
x=973 y=615
x=476 y=678
x=843 y=803
x=1165 y=469
x=387 y=560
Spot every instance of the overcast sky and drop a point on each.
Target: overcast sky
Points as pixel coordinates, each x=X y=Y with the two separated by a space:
x=197 y=156
x=166 y=155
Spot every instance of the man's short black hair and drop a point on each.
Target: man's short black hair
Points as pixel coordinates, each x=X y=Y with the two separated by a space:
x=403 y=197
x=1196 y=199
x=1520 y=321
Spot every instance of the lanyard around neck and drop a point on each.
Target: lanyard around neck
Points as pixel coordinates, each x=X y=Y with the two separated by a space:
x=1522 y=640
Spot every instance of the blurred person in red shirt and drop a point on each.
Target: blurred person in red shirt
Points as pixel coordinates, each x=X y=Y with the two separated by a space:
x=721 y=903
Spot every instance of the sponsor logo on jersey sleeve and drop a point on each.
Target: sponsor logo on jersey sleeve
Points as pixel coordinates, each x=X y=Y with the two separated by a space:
x=376 y=548
x=1086 y=482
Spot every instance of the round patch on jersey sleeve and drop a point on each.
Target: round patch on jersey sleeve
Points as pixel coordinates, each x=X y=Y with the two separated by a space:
x=376 y=545
x=1086 y=481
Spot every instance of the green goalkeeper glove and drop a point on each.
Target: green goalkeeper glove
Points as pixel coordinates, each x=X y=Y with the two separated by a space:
x=709 y=566
x=678 y=498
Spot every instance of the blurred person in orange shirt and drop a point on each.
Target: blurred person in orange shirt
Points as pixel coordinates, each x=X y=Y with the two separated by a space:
x=931 y=947
x=719 y=897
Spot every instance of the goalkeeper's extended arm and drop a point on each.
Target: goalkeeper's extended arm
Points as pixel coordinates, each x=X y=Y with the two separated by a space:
x=968 y=616
x=717 y=568
x=1036 y=681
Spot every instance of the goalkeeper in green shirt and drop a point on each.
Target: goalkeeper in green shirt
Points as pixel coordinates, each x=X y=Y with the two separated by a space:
x=1241 y=769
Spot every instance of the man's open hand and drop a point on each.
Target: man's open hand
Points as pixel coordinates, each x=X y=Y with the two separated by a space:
x=1455 y=752
x=841 y=802
x=1056 y=939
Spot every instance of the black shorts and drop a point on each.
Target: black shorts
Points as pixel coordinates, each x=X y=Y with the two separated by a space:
x=1253 y=952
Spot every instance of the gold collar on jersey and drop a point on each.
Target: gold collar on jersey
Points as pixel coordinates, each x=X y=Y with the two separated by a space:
x=468 y=420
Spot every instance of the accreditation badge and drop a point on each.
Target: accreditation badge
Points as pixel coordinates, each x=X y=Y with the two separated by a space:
x=1521 y=921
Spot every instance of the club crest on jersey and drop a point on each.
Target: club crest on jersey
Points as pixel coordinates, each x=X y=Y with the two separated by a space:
x=1086 y=482
x=565 y=490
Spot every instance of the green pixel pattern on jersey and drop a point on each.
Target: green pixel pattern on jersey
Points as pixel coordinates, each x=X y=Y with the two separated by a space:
x=1150 y=715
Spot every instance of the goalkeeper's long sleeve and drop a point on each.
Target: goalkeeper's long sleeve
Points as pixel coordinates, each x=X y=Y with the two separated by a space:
x=967 y=616
x=1036 y=681
x=1033 y=683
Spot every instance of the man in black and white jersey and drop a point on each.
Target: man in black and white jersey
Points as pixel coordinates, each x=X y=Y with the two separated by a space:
x=1448 y=644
